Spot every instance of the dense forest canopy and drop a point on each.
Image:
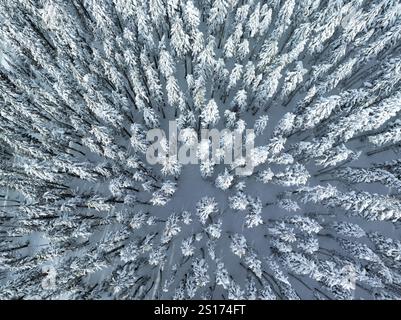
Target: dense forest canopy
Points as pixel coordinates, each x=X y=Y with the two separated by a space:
x=84 y=215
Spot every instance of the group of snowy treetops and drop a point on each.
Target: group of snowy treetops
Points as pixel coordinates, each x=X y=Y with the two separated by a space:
x=83 y=215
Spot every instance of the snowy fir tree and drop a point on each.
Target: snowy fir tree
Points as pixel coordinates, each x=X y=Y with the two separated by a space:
x=85 y=215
